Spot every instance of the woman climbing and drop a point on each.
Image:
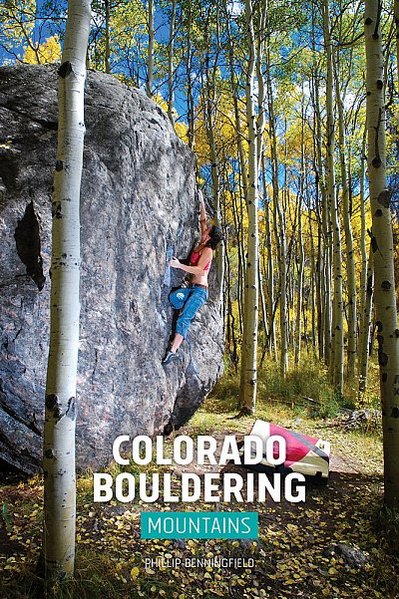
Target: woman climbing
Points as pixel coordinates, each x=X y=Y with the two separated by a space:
x=196 y=292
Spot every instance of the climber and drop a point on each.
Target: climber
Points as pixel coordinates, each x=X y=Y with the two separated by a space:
x=195 y=292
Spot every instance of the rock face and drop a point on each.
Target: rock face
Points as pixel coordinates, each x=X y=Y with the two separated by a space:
x=137 y=205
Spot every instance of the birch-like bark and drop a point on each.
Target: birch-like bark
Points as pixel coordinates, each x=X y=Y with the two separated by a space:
x=314 y=295
x=60 y=415
x=324 y=238
x=301 y=265
x=263 y=304
x=171 y=99
x=364 y=337
x=241 y=256
x=382 y=246
x=279 y=225
x=396 y=19
x=210 y=118
x=349 y=249
x=270 y=266
x=189 y=60
x=366 y=284
x=107 y=37
x=260 y=44
x=242 y=175
x=363 y=227
x=248 y=383
x=337 y=341
x=150 y=57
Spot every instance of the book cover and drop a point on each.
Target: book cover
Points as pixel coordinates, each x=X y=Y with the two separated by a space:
x=198 y=302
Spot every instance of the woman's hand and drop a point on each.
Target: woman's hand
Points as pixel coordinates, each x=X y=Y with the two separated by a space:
x=175 y=263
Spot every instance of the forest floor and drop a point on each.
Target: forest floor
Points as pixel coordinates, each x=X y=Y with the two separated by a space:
x=339 y=543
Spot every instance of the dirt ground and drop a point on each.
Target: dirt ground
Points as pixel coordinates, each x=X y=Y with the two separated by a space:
x=329 y=546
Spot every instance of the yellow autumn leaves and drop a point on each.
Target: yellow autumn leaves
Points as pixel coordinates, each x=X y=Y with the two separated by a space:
x=46 y=53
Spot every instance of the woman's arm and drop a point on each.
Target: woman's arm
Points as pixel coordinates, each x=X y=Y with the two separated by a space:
x=206 y=257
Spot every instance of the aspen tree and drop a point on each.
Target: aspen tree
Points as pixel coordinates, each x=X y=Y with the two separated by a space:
x=301 y=258
x=171 y=99
x=150 y=57
x=314 y=287
x=349 y=249
x=248 y=383
x=242 y=174
x=337 y=341
x=60 y=415
x=366 y=283
x=301 y=264
x=279 y=223
x=324 y=237
x=107 y=37
x=189 y=61
x=382 y=247
x=365 y=325
x=363 y=225
x=396 y=19
x=210 y=120
x=270 y=267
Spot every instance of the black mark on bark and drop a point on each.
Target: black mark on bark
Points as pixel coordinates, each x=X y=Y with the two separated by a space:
x=370 y=285
x=71 y=409
x=395 y=412
x=382 y=358
x=53 y=405
x=65 y=69
x=376 y=162
x=384 y=198
x=56 y=210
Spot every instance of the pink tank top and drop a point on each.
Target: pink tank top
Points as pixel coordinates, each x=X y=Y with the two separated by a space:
x=194 y=259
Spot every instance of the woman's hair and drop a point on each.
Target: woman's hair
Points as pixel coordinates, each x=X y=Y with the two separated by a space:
x=215 y=235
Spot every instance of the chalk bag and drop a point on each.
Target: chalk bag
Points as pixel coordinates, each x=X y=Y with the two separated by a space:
x=177 y=297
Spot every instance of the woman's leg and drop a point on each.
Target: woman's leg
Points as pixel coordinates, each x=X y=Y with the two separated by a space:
x=177 y=341
x=193 y=303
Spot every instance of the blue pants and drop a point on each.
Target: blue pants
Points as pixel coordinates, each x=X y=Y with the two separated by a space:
x=196 y=299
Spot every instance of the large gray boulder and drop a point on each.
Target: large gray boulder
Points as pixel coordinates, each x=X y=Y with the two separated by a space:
x=138 y=201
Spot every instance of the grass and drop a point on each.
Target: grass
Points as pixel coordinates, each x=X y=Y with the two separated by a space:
x=305 y=387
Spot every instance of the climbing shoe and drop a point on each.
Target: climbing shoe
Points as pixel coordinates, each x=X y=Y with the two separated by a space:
x=170 y=356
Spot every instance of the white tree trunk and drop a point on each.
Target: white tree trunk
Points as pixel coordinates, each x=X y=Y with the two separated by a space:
x=59 y=430
x=337 y=336
x=349 y=248
x=248 y=383
x=364 y=337
x=171 y=68
x=150 y=58
x=382 y=246
x=279 y=224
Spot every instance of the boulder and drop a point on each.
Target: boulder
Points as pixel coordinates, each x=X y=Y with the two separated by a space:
x=137 y=207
